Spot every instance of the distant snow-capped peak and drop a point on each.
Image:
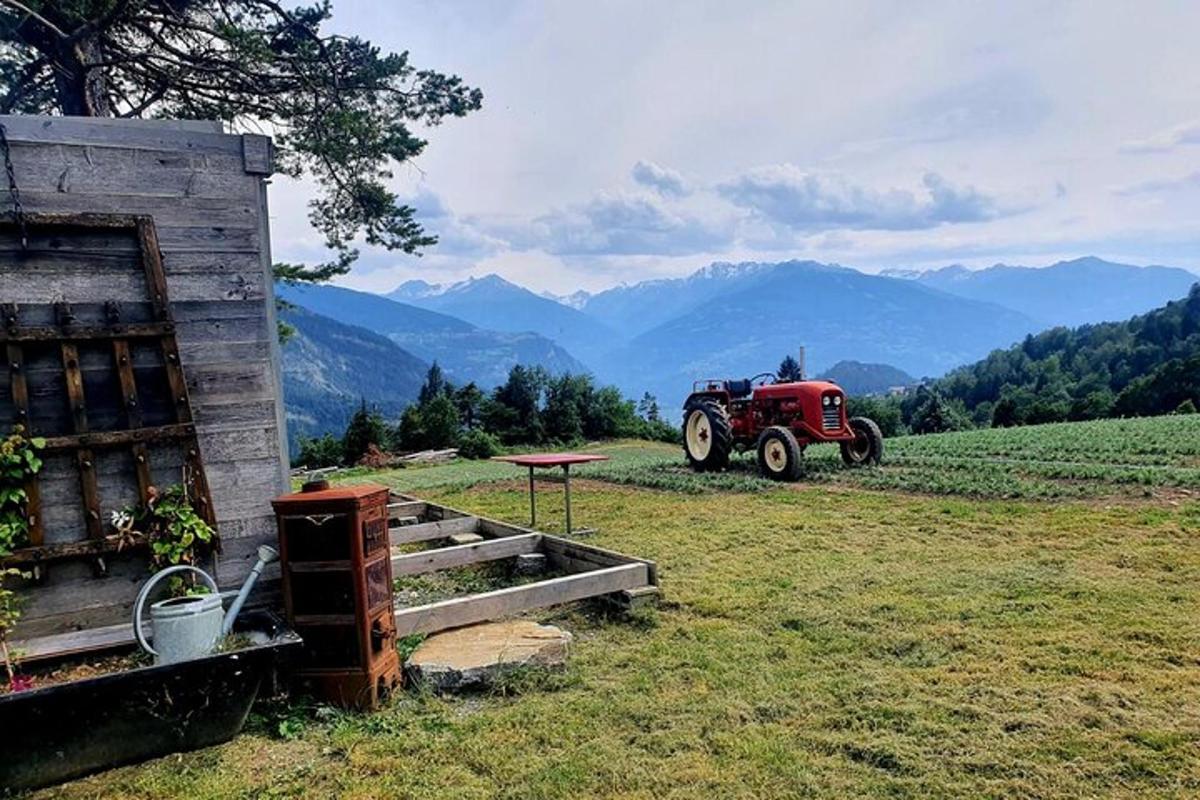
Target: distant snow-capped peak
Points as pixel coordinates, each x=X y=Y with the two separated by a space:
x=576 y=300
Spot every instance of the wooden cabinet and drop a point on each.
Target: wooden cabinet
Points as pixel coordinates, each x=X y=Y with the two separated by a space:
x=337 y=586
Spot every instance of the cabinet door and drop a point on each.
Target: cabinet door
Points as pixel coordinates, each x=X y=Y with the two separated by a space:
x=331 y=646
x=317 y=537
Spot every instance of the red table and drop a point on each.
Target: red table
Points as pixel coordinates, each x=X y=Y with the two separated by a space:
x=544 y=460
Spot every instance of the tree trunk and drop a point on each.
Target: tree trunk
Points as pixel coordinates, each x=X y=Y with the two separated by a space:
x=82 y=88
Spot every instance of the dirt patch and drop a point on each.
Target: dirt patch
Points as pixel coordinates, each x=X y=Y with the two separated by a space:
x=35 y=677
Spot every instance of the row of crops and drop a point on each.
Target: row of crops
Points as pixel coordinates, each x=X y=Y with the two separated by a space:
x=1082 y=459
x=1156 y=441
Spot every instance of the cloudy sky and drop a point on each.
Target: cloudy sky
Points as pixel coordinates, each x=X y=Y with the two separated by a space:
x=621 y=141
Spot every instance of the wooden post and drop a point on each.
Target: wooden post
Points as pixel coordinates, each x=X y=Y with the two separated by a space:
x=84 y=458
x=532 y=501
x=567 y=493
x=133 y=414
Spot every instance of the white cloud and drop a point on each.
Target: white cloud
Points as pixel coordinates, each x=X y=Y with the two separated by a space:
x=663 y=180
x=621 y=224
x=1161 y=185
x=1166 y=141
x=808 y=201
x=457 y=236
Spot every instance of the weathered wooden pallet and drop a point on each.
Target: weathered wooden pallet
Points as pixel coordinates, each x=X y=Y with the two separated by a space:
x=57 y=326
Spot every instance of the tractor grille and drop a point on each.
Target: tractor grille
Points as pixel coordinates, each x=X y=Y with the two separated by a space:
x=831 y=418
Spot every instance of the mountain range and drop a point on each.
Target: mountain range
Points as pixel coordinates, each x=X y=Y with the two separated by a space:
x=465 y=352
x=729 y=320
x=836 y=313
x=329 y=368
x=1077 y=292
x=494 y=303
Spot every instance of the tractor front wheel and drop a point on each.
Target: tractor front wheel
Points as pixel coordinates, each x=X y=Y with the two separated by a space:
x=867 y=445
x=707 y=435
x=779 y=454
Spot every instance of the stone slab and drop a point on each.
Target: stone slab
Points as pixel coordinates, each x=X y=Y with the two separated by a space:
x=475 y=656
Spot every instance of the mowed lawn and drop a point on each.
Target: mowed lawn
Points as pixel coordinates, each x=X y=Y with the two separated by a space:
x=820 y=641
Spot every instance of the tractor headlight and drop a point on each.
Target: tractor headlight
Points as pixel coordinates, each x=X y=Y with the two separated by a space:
x=826 y=400
x=837 y=400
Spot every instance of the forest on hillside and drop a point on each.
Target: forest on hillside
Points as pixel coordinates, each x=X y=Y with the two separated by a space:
x=1144 y=366
x=532 y=407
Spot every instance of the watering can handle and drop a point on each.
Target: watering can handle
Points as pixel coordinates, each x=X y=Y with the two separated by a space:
x=145 y=592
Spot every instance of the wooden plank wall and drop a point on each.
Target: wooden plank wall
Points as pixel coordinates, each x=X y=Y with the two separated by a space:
x=207 y=193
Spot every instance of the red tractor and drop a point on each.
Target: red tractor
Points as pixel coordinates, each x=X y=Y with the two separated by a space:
x=779 y=419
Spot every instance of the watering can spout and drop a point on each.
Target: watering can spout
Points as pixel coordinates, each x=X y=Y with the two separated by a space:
x=266 y=555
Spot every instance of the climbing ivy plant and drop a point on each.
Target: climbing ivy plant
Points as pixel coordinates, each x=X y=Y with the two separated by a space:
x=19 y=463
x=175 y=532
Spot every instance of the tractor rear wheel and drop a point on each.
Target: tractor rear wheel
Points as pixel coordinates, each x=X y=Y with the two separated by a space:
x=867 y=445
x=707 y=435
x=779 y=454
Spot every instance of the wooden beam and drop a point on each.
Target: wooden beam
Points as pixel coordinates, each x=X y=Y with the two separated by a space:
x=79 y=333
x=464 y=554
x=133 y=414
x=129 y=392
x=80 y=218
x=574 y=556
x=407 y=508
x=156 y=282
x=74 y=643
x=74 y=381
x=67 y=550
x=175 y=380
x=494 y=529
x=506 y=602
x=429 y=531
x=162 y=433
x=85 y=460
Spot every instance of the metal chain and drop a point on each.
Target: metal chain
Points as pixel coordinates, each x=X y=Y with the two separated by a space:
x=14 y=192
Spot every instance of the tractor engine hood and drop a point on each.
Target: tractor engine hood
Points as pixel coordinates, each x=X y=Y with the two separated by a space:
x=782 y=391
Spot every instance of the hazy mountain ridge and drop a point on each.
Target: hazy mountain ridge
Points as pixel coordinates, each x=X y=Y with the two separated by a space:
x=1076 y=292
x=858 y=378
x=465 y=352
x=496 y=304
x=640 y=307
x=330 y=367
x=836 y=313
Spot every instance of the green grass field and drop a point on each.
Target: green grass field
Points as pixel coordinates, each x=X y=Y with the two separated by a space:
x=991 y=614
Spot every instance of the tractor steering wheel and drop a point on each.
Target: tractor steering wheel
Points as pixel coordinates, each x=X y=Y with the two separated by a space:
x=764 y=376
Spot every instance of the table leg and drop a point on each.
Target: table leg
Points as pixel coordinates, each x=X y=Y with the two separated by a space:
x=532 y=501
x=567 y=493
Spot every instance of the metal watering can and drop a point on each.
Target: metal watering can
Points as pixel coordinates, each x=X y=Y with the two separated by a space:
x=190 y=627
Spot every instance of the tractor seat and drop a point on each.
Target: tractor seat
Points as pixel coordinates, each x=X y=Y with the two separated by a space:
x=739 y=389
